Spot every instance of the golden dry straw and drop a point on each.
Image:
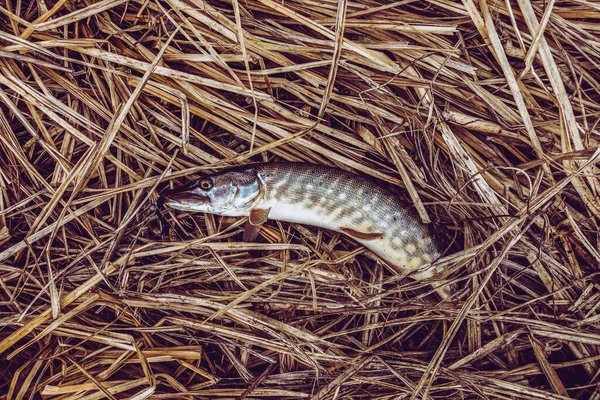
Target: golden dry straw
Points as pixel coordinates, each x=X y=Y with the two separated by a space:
x=482 y=113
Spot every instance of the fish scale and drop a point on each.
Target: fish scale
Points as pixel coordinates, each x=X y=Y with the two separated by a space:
x=347 y=196
x=322 y=196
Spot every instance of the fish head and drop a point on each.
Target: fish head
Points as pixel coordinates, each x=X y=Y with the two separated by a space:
x=230 y=193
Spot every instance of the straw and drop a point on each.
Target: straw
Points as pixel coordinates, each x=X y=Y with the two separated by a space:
x=482 y=115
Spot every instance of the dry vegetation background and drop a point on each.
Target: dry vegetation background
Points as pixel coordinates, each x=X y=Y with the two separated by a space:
x=485 y=112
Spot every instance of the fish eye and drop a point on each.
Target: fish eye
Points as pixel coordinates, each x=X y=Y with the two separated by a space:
x=206 y=184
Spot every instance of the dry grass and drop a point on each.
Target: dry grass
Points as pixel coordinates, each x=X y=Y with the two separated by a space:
x=486 y=112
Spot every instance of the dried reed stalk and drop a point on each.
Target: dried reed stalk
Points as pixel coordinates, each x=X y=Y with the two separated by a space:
x=486 y=113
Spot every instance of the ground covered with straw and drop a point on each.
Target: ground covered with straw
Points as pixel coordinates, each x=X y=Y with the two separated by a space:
x=482 y=113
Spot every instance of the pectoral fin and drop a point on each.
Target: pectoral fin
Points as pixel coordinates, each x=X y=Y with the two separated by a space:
x=257 y=217
x=361 y=235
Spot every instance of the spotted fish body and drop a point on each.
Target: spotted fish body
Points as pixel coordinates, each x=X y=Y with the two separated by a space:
x=321 y=196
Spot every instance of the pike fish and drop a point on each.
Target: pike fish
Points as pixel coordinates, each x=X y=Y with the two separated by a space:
x=316 y=195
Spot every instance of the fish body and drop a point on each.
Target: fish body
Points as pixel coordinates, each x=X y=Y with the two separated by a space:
x=316 y=195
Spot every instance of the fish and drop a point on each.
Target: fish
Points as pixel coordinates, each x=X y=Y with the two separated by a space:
x=321 y=196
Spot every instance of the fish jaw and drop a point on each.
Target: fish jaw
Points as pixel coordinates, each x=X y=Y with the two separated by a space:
x=229 y=193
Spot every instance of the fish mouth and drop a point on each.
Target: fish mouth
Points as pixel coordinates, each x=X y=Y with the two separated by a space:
x=172 y=198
